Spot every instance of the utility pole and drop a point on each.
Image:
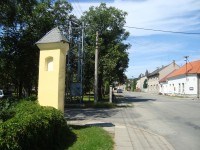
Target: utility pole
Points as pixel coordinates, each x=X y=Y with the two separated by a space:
x=82 y=58
x=96 y=69
x=186 y=60
x=68 y=71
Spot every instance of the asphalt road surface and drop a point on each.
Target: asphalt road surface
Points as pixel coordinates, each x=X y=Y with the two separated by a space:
x=176 y=119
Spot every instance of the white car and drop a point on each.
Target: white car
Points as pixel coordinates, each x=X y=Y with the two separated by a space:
x=1 y=94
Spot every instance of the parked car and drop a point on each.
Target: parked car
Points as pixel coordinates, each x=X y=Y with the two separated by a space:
x=1 y=94
x=119 y=91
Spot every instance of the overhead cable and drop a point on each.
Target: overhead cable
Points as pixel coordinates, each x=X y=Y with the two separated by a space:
x=167 y=31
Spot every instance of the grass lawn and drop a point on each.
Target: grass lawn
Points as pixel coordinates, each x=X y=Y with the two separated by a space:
x=91 y=138
x=88 y=97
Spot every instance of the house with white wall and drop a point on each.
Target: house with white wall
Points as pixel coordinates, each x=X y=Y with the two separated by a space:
x=164 y=88
x=184 y=81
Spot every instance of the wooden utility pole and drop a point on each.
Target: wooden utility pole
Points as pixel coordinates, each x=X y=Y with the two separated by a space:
x=186 y=60
x=96 y=70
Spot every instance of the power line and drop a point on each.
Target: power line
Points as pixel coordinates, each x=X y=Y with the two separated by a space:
x=76 y=9
x=79 y=6
x=157 y=30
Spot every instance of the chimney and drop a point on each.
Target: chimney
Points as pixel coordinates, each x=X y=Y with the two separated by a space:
x=174 y=63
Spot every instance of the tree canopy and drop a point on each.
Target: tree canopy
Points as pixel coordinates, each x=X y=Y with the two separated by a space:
x=113 y=56
x=22 y=24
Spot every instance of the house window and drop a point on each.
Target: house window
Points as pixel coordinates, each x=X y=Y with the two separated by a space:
x=183 y=88
x=179 y=88
x=49 y=64
x=174 y=88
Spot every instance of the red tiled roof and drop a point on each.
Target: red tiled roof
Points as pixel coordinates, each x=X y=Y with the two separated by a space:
x=165 y=78
x=192 y=68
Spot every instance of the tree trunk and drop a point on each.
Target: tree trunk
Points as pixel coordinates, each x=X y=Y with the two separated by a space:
x=100 y=85
x=20 y=94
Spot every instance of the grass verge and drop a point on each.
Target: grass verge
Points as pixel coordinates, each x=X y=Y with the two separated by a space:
x=91 y=138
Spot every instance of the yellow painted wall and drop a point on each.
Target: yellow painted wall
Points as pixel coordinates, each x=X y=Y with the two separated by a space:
x=51 y=87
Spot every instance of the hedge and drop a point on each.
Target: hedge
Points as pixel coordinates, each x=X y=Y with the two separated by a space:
x=34 y=127
x=6 y=111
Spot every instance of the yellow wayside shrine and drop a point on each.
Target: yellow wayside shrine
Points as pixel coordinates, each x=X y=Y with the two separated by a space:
x=51 y=87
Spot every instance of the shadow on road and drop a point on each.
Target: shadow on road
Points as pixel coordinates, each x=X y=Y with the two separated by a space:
x=92 y=113
x=133 y=99
x=101 y=124
x=138 y=99
x=82 y=114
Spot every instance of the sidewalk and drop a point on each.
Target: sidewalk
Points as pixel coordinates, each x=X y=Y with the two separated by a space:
x=126 y=136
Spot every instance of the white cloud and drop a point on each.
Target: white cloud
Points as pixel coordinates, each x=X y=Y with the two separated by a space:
x=154 y=48
x=157 y=14
x=165 y=15
x=150 y=54
x=174 y=15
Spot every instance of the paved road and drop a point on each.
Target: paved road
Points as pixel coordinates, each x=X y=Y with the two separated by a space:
x=176 y=119
x=155 y=122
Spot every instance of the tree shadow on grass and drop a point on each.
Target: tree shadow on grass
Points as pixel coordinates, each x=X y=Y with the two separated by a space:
x=70 y=139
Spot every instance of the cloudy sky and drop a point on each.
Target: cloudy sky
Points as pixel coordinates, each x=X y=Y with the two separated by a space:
x=151 y=49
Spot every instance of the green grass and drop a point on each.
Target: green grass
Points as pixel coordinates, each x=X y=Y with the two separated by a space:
x=90 y=97
x=91 y=138
x=103 y=103
x=86 y=97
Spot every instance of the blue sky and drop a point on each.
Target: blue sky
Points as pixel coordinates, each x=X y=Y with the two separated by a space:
x=152 y=49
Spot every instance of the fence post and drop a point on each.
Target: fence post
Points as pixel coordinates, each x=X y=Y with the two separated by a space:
x=110 y=98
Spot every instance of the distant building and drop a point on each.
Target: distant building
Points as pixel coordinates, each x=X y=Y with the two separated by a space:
x=157 y=75
x=164 y=88
x=140 y=83
x=183 y=81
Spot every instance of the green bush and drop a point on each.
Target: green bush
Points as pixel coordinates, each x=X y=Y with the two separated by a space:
x=31 y=98
x=145 y=84
x=34 y=128
x=6 y=109
x=107 y=86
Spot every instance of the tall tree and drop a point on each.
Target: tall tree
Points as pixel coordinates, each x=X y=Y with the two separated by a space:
x=145 y=85
x=22 y=24
x=113 y=56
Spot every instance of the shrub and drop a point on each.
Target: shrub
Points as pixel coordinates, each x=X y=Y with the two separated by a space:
x=6 y=109
x=34 y=127
x=31 y=98
x=145 y=84
x=107 y=86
